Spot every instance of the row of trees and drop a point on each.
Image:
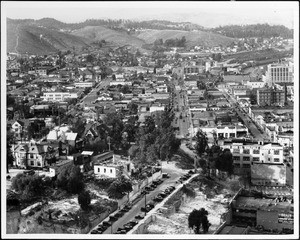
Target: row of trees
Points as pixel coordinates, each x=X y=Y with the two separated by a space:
x=255 y=30
x=156 y=139
x=172 y=42
x=215 y=157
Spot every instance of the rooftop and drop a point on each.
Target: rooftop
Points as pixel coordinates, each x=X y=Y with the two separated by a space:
x=263 y=204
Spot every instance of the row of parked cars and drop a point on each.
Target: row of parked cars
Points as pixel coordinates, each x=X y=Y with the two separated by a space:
x=102 y=227
x=185 y=176
x=113 y=218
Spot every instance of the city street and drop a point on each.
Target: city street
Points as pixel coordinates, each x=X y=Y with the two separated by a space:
x=183 y=123
x=92 y=96
x=166 y=168
x=246 y=119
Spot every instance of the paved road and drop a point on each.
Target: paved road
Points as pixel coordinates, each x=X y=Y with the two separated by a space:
x=92 y=96
x=182 y=123
x=247 y=120
x=141 y=203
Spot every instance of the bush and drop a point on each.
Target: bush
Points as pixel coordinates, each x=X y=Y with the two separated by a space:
x=84 y=200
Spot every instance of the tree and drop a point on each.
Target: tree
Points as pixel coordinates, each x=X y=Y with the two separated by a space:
x=119 y=188
x=201 y=142
x=70 y=178
x=225 y=162
x=198 y=219
x=84 y=200
x=29 y=186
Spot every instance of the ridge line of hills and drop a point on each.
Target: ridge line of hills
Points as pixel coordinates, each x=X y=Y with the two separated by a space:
x=48 y=35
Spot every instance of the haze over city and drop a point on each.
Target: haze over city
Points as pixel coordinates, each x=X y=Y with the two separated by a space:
x=207 y=14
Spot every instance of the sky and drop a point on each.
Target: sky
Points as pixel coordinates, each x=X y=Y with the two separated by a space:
x=207 y=14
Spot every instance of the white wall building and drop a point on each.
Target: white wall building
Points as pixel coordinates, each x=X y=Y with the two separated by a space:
x=58 y=96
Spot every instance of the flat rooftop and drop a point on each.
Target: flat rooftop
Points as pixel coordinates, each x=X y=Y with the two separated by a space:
x=233 y=230
x=263 y=204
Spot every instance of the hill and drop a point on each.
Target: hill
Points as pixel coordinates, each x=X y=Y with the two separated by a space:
x=194 y=38
x=22 y=38
x=254 y=30
x=120 y=38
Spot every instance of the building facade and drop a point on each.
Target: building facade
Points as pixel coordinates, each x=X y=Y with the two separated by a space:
x=270 y=96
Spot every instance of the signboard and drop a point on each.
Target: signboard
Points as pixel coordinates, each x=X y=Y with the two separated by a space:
x=286 y=218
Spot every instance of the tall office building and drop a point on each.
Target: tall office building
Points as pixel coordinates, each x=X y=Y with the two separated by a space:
x=280 y=73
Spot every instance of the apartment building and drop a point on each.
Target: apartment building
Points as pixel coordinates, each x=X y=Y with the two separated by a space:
x=247 y=152
x=269 y=96
x=58 y=96
x=86 y=84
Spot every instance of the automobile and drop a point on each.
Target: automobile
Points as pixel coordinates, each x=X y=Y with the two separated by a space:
x=145 y=209
x=113 y=218
x=106 y=223
x=119 y=214
x=121 y=231
x=124 y=210
x=140 y=216
x=162 y=194
x=158 y=198
x=153 y=186
x=127 y=227
x=148 y=188
x=172 y=188
x=133 y=222
x=95 y=232
x=144 y=192
x=166 y=175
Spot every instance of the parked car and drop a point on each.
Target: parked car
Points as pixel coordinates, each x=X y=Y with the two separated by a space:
x=106 y=223
x=113 y=218
x=140 y=216
x=119 y=214
x=162 y=194
x=166 y=175
x=158 y=198
x=95 y=232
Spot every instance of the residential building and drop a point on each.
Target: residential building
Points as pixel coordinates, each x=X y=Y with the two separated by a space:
x=59 y=96
x=247 y=152
x=85 y=84
x=268 y=213
x=114 y=167
x=266 y=174
x=270 y=96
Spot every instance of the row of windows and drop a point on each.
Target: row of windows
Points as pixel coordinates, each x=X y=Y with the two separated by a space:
x=255 y=151
x=38 y=163
x=104 y=169
x=255 y=159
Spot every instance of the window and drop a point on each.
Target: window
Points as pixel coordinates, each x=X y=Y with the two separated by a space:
x=237 y=165
x=276 y=159
x=236 y=150
x=104 y=170
x=255 y=159
x=246 y=165
x=236 y=158
x=32 y=163
x=39 y=164
x=246 y=158
x=276 y=152
x=255 y=151
x=246 y=151
x=98 y=169
x=110 y=170
x=31 y=155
